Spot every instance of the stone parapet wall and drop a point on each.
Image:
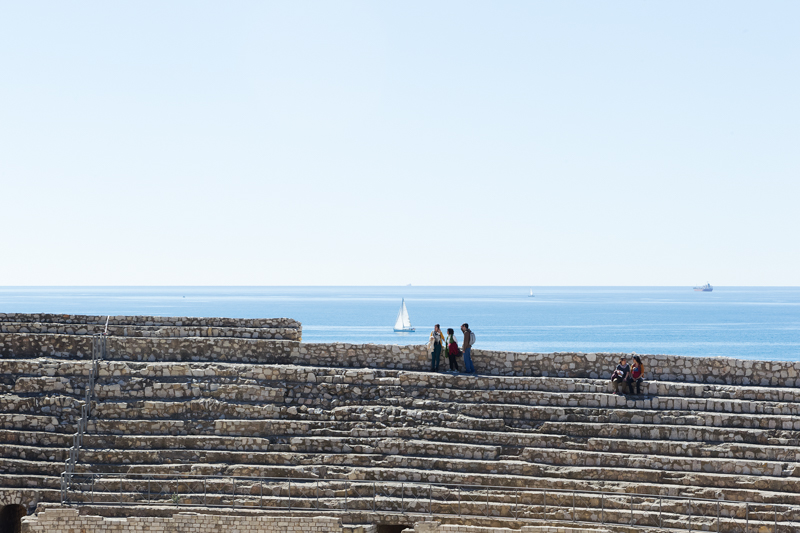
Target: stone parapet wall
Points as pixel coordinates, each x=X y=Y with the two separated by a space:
x=151 y=348
x=715 y=370
x=141 y=320
x=64 y=520
x=150 y=331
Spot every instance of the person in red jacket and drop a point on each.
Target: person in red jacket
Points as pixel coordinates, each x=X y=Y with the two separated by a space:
x=636 y=375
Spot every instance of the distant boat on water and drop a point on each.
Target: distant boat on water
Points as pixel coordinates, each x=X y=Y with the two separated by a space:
x=403 y=323
x=531 y=294
x=704 y=288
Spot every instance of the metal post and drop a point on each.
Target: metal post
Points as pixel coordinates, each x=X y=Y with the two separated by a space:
x=717 y=516
x=602 y=508
x=544 y=507
x=233 y=501
x=92 y=488
x=290 y=496
x=205 y=492
x=747 y=518
x=430 y=499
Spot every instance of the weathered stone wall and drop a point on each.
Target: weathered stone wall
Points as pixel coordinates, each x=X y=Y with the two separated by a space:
x=62 y=520
x=141 y=320
x=717 y=370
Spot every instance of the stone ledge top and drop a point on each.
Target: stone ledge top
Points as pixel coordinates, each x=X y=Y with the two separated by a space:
x=141 y=320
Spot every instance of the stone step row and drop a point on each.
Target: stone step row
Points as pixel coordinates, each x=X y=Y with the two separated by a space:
x=65 y=408
x=577 y=432
x=370 y=377
x=150 y=331
x=329 y=395
x=264 y=426
x=664 y=440
x=327 y=494
x=35 y=438
x=589 y=465
x=752 y=489
x=485 y=458
x=431 y=442
x=36 y=422
x=34 y=453
x=521 y=416
x=497 y=517
x=366 y=378
x=31 y=481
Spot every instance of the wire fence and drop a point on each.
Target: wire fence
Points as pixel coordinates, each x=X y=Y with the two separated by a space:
x=98 y=353
x=524 y=504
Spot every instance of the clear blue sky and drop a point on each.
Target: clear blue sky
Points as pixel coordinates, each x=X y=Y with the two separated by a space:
x=433 y=143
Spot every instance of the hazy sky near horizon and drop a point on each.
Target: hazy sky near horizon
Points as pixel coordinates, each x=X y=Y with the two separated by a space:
x=433 y=143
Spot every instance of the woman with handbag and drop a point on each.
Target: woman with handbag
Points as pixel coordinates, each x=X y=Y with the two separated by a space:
x=452 y=349
x=435 y=344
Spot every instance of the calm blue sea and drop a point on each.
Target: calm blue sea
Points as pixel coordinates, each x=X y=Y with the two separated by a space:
x=742 y=322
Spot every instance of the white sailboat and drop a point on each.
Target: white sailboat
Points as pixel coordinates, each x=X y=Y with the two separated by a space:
x=403 y=323
x=531 y=294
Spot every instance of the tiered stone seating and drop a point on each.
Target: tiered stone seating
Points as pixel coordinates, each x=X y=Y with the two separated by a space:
x=169 y=406
x=45 y=367
x=39 y=410
x=704 y=441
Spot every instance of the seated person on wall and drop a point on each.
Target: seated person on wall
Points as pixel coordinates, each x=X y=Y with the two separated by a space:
x=636 y=375
x=620 y=376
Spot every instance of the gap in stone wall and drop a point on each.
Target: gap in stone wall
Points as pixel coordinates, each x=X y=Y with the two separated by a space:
x=11 y=518
x=393 y=528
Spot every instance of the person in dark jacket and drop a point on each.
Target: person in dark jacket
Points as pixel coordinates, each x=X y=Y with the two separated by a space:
x=452 y=349
x=620 y=375
x=467 y=349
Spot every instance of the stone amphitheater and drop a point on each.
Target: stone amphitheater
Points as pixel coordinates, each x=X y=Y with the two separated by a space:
x=153 y=424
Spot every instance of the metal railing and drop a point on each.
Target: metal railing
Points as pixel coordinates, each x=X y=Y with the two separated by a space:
x=98 y=353
x=524 y=504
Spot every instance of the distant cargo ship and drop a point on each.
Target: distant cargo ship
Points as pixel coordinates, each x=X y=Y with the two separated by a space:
x=705 y=288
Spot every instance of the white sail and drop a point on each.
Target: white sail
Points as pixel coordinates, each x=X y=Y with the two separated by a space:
x=406 y=320
x=398 y=324
x=403 y=323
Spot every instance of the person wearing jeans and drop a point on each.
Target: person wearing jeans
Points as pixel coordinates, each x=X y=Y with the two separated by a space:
x=467 y=348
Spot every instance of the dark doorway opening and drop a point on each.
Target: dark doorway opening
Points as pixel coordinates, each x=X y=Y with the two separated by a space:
x=392 y=528
x=11 y=518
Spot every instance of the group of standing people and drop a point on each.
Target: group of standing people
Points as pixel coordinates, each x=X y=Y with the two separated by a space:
x=449 y=344
x=629 y=375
